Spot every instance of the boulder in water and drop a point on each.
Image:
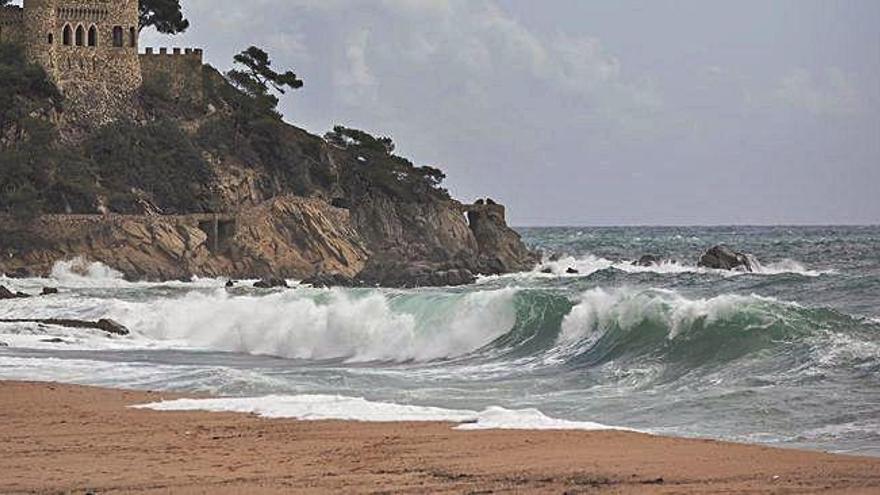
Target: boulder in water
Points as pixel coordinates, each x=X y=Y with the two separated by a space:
x=572 y=271
x=230 y=284
x=547 y=270
x=4 y=344
x=48 y=291
x=324 y=280
x=647 y=260
x=271 y=283
x=723 y=258
x=8 y=294
x=112 y=327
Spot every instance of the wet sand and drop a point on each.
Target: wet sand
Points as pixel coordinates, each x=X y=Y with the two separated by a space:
x=68 y=439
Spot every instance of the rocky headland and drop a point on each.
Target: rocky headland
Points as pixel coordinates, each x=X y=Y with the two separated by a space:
x=216 y=185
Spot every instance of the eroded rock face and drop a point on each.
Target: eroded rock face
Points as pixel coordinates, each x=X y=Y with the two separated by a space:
x=287 y=237
x=500 y=248
x=724 y=258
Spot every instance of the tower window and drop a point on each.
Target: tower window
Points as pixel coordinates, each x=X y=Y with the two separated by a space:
x=117 y=36
x=132 y=37
x=67 y=35
x=93 y=36
x=80 y=36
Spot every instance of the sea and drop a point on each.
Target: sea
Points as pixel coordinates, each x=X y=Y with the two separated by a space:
x=787 y=356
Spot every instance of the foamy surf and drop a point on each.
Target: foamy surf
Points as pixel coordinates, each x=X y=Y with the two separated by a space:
x=337 y=407
x=589 y=264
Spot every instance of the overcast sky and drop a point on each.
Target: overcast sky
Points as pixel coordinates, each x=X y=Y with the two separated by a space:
x=578 y=112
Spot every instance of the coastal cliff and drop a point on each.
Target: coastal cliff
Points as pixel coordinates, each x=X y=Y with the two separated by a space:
x=215 y=186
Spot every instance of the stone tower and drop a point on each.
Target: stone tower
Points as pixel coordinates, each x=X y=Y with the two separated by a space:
x=89 y=48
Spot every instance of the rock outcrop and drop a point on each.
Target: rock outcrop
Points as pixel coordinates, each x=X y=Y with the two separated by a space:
x=500 y=248
x=105 y=325
x=647 y=260
x=286 y=237
x=223 y=188
x=723 y=258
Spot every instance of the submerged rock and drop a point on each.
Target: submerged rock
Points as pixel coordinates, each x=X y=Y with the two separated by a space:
x=48 y=291
x=547 y=270
x=647 y=260
x=572 y=271
x=724 y=258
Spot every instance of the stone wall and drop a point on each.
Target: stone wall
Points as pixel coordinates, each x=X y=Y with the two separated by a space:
x=11 y=24
x=179 y=71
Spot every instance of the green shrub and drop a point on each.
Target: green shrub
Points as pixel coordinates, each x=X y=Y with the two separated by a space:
x=158 y=159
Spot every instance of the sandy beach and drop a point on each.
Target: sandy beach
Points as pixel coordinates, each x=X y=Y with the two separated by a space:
x=69 y=439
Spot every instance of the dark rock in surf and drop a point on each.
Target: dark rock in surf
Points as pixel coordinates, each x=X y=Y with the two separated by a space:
x=106 y=324
x=572 y=271
x=53 y=341
x=392 y=273
x=48 y=291
x=271 y=283
x=230 y=284
x=723 y=258
x=21 y=272
x=4 y=344
x=547 y=270
x=647 y=260
x=8 y=294
x=323 y=280
x=112 y=327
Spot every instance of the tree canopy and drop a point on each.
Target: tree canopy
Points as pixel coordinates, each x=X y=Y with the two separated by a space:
x=165 y=15
x=257 y=79
x=344 y=137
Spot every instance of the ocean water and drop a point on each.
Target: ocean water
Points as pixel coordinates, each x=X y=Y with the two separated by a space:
x=788 y=356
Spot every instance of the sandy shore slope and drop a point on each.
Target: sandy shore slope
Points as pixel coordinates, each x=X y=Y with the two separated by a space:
x=67 y=439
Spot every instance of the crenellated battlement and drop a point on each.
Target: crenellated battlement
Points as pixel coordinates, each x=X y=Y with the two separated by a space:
x=177 y=71
x=190 y=53
x=11 y=24
x=89 y=48
x=11 y=15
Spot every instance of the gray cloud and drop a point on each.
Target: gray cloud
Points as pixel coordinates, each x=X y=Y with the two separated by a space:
x=580 y=112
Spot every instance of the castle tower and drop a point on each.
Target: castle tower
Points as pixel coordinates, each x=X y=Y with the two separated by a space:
x=38 y=34
x=89 y=48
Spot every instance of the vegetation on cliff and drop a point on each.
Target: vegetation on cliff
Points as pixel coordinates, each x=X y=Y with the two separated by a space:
x=342 y=204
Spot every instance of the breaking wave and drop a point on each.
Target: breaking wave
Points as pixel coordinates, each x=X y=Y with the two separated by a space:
x=356 y=326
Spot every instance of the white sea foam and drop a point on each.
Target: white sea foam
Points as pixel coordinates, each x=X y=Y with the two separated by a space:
x=80 y=273
x=336 y=407
x=589 y=264
x=357 y=326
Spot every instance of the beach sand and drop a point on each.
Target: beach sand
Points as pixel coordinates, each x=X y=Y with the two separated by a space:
x=69 y=439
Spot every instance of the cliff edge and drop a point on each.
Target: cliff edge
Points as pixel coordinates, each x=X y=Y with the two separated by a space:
x=198 y=180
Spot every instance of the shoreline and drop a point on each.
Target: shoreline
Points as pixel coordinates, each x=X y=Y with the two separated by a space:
x=66 y=438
